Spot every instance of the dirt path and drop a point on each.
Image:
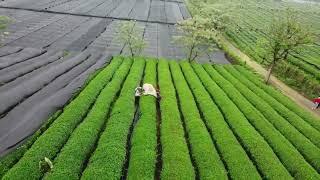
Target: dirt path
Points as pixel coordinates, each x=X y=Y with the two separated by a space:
x=291 y=93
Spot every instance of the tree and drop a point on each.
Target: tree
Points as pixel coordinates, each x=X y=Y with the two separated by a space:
x=4 y=21
x=283 y=36
x=197 y=37
x=201 y=34
x=131 y=35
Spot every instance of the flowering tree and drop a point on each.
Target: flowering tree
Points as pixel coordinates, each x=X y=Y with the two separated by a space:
x=197 y=37
x=131 y=35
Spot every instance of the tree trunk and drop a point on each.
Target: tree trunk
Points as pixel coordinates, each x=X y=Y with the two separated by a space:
x=131 y=51
x=190 y=53
x=270 y=72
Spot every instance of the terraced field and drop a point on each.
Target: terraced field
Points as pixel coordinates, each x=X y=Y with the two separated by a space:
x=211 y=122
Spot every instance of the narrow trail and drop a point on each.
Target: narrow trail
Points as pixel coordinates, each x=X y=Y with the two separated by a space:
x=288 y=91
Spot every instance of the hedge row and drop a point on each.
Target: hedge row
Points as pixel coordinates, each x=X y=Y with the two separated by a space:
x=13 y=157
x=70 y=161
x=176 y=162
x=278 y=96
x=306 y=129
x=203 y=149
x=290 y=157
x=50 y=143
x=237 y=161
x=261 y=153
x=108 y=158
x=144 y=137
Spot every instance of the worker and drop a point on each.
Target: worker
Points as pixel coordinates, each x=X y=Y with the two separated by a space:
x=316 y=102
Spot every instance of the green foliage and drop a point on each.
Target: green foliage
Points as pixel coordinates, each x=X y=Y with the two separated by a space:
x=202 y=148
x=262 y=154
x=286 y=151
x=197 y=37
x=176 y=162
x=52 y=140
x=220 y=15
x=45 y=165
x=278 y=96
x=238 y=163
x=65 y=53
x=144 y=138
x=296 y=121
x=130 y=34
x=111 y=146
x=70 y=161
x=298 y=79
x=4 y=21
x=215 y=123
x=201 y=32
x=248 y=28
x=13 y=157
x=285 y=35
